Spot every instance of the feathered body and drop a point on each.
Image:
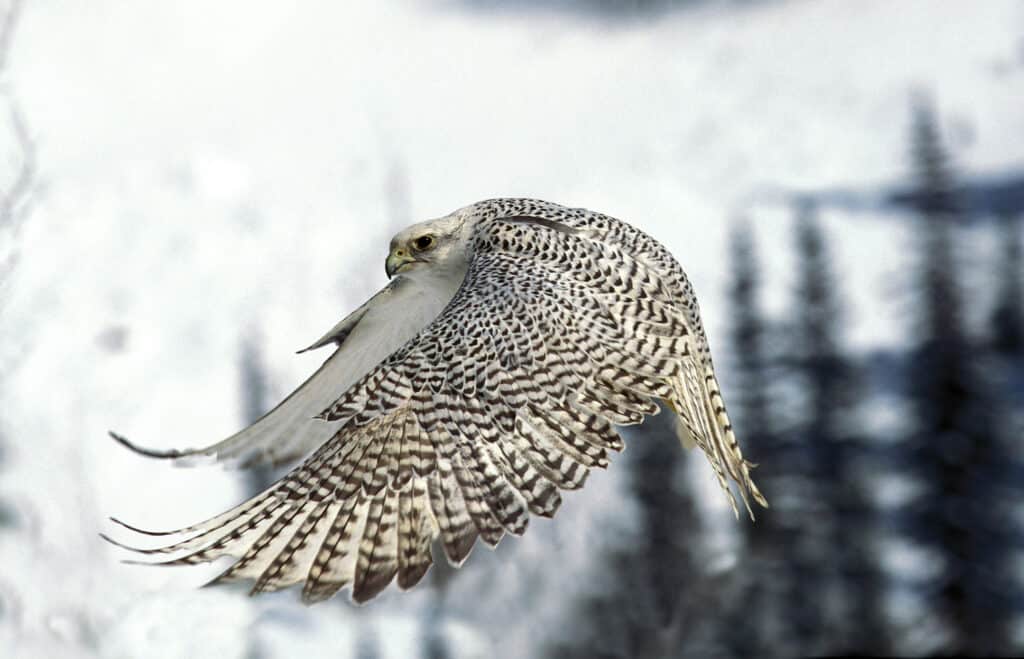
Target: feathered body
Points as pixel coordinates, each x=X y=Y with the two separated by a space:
x=490 y=374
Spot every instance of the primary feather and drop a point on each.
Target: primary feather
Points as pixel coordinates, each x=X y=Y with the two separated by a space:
x=487 y=376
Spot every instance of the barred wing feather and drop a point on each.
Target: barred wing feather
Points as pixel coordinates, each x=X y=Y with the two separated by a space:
x=567 y=324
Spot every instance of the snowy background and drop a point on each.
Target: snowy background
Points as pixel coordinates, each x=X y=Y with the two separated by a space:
x=215 y=181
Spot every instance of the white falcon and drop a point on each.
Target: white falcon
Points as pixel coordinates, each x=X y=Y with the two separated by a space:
x=490 y=373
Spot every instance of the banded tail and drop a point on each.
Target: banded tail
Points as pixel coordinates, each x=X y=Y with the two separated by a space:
x=702 y=420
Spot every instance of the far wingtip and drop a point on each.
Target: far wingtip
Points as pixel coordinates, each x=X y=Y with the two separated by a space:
x=148 y=452
x=327 y=340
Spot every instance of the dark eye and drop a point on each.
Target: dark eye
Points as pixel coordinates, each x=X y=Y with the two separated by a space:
x=423 y=243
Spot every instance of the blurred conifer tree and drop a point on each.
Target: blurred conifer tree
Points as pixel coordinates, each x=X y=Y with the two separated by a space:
x=1008 y=316
x=254 y=386
x=649 y=595
x=758 y=618
x=957 y=454
x=838 y=555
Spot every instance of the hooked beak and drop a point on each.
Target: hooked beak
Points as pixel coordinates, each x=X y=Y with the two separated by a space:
x=397 y=260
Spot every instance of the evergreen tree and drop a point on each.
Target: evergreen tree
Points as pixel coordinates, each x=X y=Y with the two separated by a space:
x=254 y=392
x=1008 y=316
x=748 y=335
x=367 y=643
x=8 y=517
x=757 y=622
x=654 y=593
x=433 y=638
x=959 y=458
x=16 y=193
x=435 y=642
x=1007 y=360
x=841 y=564
x=668 y=547
x=255 y=402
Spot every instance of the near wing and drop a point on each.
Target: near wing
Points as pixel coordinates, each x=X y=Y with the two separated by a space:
x=509 y=396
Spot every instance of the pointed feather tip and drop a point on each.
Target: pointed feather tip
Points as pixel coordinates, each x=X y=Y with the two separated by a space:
x=371 y=585
x=121 y=545
x=752 y=491
x=458 y=552
x=115 y=542
x=181 y=458
x=216 y=581
x=149 y=453
x=320 y=591
x=225 y=578
x=130 y=561
x=135 y=529
x=409 y=576
x=135 y=561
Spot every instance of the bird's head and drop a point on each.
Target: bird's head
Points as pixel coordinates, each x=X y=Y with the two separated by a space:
x=436 y=247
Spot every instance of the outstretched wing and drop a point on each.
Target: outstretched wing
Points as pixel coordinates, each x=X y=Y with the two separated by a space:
x=558 y=333
x=290 y=430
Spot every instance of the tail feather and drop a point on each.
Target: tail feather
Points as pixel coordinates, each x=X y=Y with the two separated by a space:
x=738 y=466
x=702 y=420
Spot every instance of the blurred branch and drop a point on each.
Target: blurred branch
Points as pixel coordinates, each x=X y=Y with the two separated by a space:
x=14 y=199
x=15 y=195
x=7 y=28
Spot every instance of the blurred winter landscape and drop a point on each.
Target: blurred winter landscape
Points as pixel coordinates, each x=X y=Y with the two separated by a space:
x=192 y=191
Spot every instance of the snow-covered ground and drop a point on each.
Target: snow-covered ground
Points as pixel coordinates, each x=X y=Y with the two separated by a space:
x=211 y=168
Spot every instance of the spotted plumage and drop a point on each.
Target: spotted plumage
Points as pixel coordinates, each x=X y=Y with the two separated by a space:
x=489 y=375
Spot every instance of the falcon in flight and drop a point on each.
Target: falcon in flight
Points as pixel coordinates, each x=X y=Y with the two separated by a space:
x=513 y=338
